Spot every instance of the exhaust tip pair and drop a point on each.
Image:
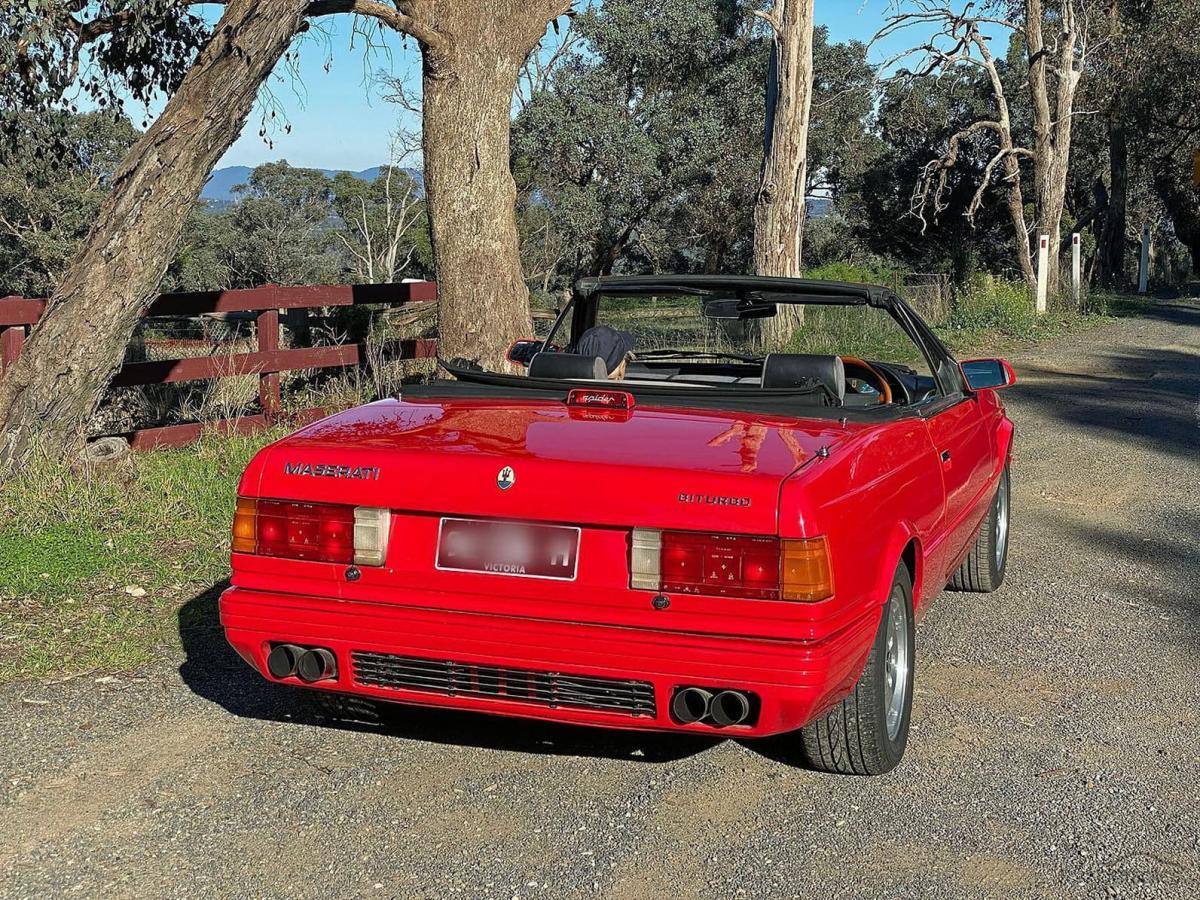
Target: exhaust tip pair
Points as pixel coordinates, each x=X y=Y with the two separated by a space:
x=309 y=664
x=721 y=707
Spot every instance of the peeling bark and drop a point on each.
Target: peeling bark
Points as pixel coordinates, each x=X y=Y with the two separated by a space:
x=779 y=209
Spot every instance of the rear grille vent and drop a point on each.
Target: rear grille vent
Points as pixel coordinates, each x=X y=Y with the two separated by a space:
x=460 y=679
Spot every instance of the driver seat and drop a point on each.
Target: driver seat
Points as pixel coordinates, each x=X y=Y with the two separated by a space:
x=793 y=370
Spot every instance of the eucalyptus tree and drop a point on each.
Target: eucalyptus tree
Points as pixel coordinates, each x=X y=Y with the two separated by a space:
x=955 y=35
x=472 y=53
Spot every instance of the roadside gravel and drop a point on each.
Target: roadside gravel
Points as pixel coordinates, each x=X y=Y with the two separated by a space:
x=1055 y=749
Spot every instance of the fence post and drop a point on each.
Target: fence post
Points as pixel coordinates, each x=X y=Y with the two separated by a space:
x=1043 y=272
x=268 y=382
x=1144 y=263
x=12 y=340
x=1076 y=269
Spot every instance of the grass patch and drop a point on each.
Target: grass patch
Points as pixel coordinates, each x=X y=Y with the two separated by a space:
x=93 y=569
x=993 y=316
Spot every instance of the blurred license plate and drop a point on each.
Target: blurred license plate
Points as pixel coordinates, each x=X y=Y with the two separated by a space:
x=508 y=548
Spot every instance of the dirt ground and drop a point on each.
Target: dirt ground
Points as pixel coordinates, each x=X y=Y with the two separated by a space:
x=1055 y=749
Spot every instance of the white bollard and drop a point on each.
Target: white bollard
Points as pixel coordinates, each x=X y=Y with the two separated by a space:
x=1076 y=269
x=1144 y=265
x=1043 y=273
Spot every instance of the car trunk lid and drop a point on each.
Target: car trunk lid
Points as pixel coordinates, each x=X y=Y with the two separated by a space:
x=541 y=461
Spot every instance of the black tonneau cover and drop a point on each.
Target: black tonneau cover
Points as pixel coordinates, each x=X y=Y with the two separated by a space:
x=490 y=386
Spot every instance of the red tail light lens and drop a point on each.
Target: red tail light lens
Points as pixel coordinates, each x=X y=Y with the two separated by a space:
x=321 y=532
x=724 y=565
x=720 y=564
x=305 y=531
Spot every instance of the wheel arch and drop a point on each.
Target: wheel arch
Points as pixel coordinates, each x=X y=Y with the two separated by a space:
x=902 y=547
x=1005 y=437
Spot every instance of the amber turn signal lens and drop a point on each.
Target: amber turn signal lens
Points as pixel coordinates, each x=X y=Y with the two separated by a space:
x=244 y=526
x=805 y=570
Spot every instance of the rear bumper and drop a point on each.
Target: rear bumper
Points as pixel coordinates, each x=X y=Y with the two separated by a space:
x=794 y=681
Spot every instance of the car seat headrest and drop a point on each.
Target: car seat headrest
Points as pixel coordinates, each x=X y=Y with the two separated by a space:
x=568 y=365
x=786 y=370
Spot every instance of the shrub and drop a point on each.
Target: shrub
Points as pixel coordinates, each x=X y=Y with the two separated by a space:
x=856 y=273
x=989 y=303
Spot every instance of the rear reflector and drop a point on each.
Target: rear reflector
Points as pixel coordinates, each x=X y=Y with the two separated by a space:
x=725 y=565
x=320 y=532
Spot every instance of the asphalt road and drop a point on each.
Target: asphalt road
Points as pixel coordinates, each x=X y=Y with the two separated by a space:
x=1055 y=751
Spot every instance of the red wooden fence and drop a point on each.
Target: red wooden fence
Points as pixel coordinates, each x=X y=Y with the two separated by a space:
x=18 y=314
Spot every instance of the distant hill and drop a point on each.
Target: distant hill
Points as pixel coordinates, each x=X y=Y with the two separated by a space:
x=818 y=207
x=219 y=189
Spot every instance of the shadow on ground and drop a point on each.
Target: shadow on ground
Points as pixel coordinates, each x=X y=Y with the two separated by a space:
x=1148 y=397
x=1154 y=575
x=213 y=670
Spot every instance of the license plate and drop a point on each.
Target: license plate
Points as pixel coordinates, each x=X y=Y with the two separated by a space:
x=508 y=548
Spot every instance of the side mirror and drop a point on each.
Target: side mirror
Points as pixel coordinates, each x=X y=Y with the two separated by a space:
x=521 y=353
x=988 y=374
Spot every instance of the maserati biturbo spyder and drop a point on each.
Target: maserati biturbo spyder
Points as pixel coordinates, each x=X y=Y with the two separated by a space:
x=652 y=524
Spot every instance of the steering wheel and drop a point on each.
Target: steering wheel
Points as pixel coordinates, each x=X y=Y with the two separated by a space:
x=864 y=371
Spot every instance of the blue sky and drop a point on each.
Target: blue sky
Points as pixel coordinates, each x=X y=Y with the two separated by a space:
x=339 y=119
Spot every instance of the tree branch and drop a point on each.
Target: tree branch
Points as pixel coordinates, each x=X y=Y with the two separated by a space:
x=409 y=23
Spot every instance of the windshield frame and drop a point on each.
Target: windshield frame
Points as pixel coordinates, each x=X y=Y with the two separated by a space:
x=581 y=311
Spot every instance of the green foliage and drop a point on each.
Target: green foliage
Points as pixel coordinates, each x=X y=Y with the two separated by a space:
x=48 y=200
x=650 y=122
x=385 y=226
x=993 y=303
x=57 y=54
x=645 y=152
x=915 y=121
x=853 y=272
x=292 y=225
x=71 y=543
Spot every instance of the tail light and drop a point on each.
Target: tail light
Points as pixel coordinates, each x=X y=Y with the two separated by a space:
x=726 y=565
x=321 y=532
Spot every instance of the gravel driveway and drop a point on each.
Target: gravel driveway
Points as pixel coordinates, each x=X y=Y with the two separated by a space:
x=1055 y=750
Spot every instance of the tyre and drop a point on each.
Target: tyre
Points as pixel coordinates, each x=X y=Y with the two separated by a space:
x=983 y=569
x=866 y=733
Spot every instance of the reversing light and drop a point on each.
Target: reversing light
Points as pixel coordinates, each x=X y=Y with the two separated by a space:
x=320 y=532
x=371 y=527
x=645 y=568
x=725 y=565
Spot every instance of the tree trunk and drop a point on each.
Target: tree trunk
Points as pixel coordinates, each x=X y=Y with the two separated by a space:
x=1111 y=250
x=1015 y=201
x=1053 y=117
x=468 y=91
x=60 y=378
x=779 y=209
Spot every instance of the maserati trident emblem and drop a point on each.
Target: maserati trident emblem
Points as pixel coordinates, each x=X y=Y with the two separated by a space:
x=506 y=479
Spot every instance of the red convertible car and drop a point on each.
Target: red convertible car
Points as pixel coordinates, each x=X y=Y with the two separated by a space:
x=653 y=524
